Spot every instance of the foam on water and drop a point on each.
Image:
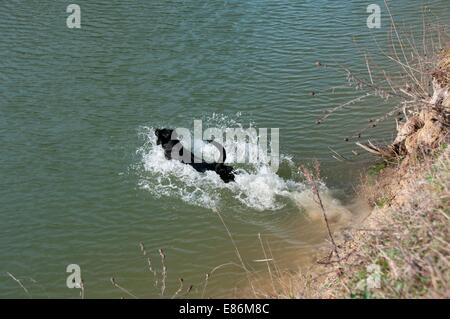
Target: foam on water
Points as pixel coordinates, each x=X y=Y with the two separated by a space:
x=256 y=185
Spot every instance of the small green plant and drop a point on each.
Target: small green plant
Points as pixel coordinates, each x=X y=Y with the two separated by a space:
x=382 y=202
x=376 y=169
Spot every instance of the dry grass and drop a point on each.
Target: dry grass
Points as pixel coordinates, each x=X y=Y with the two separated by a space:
x=404 y=245
x=413 y=253
x=312 y=176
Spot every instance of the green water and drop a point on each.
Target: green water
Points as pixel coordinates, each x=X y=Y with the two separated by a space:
x=76 y=112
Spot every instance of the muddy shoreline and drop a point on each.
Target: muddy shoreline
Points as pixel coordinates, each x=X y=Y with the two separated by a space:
x=401 y=249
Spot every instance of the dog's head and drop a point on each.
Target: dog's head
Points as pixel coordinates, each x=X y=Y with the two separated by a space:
x=225 y=172
x=164 y=135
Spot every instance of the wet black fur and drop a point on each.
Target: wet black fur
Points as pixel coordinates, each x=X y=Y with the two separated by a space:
x=169 y=142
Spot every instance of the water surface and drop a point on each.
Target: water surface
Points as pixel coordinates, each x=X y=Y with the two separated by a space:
x=81 y=179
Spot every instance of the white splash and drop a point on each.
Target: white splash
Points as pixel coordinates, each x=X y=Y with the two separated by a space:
x=256 y=186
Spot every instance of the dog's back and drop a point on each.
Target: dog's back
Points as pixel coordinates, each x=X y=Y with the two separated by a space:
x=173 y=149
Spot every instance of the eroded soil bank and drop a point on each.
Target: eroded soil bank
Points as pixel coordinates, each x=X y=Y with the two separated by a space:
x=402 y=249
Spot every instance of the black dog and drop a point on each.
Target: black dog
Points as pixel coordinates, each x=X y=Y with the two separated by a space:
x=173 y=149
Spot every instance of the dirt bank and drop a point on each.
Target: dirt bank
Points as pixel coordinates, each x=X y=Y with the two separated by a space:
x=402 y=249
